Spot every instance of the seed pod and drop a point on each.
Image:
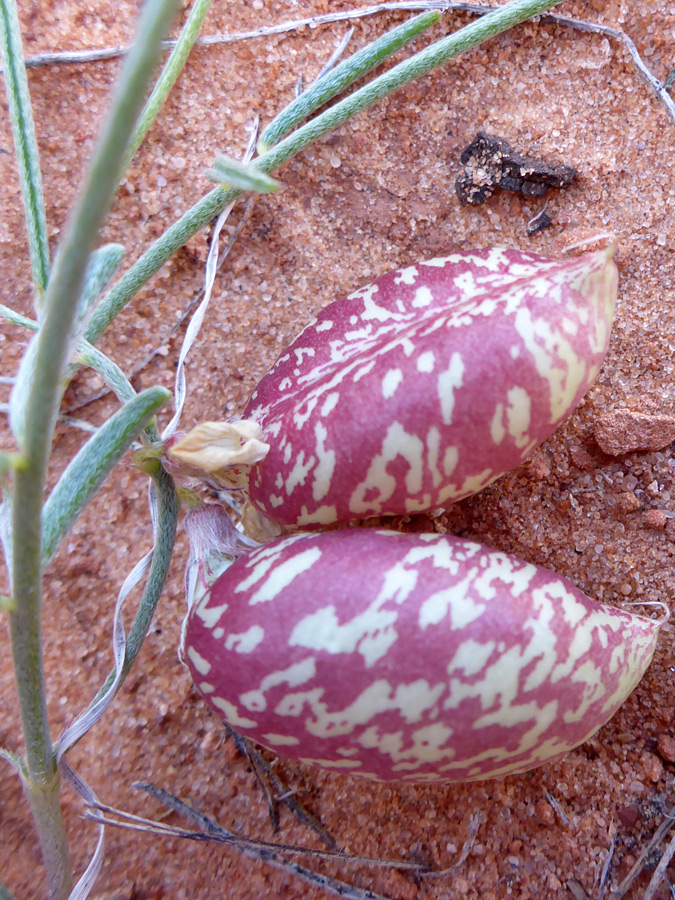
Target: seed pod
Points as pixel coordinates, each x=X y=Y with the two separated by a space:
x=425 y=386
x=410 y=657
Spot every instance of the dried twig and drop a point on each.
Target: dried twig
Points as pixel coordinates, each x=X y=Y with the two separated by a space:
x=659 y=835
x=85 y=56
x=604 y=874
x=660 y=871
x=651 y=80
x=264 y=851
x=475 y=821
x=214 y=831
x=266 y=777
x=260 y=770
x=337 y=53
x=557 y=809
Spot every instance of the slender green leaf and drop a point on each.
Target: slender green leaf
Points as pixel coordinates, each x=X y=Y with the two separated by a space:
x=16 y=318
x=87 y=355
x=18 y=399
x=25 y=143
x=13 y=760
x=165 y=536
x=6 y=528
x=170 y=72
x=344 y=74
x=232 y=173
x=113 y=377
x=101 y=268
x=88 y=470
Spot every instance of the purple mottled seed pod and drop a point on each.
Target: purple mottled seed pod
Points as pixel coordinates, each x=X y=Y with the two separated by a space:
x=428 y=384
x=410 y=657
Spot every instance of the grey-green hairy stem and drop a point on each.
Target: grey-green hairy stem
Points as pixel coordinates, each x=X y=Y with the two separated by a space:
x=60 y=309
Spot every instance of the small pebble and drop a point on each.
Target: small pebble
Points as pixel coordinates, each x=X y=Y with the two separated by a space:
x=544 y=813
x=628 y=502
x=651 y=766
x=655 y=518
x=629 y=815
x=653 y=488
x=666 y=747
x=581 y=458
x=624 y=430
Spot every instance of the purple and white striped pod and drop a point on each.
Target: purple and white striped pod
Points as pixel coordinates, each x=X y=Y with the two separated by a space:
x=411 y=657
x=428 y=384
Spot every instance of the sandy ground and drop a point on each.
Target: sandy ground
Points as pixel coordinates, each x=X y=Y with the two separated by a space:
x=377 y=194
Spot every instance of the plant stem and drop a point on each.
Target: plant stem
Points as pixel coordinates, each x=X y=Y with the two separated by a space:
x=25 y=142
x=60 y=303
x=344 y=74
x=89 y=468
x=170 y=72
x=215 y=202
x=169 y=506
x=110 y=372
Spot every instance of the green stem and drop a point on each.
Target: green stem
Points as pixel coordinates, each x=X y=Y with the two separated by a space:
x=342 y=76
x=60 y=303
x=214 y=203
x=25 y=142
x=170 y=72
x=169 y=506
x=113 y=377
x=87 y=471
x=43 y=799
x=110 y=372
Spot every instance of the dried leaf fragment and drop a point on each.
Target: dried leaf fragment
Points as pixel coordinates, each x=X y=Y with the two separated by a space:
x=491 y=162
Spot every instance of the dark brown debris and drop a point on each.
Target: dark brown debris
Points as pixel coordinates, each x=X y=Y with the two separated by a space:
x=491 y=162
x=629 y=815
x=541 y=221
x=623 y=431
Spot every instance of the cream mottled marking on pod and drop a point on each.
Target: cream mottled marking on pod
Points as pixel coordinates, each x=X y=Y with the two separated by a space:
x=410 y=656
x=493 y=349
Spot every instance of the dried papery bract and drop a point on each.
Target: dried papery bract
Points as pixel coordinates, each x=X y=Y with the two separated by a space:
x=410 y=657
x=214 y=544
x=425 y=386
x=224 y=449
